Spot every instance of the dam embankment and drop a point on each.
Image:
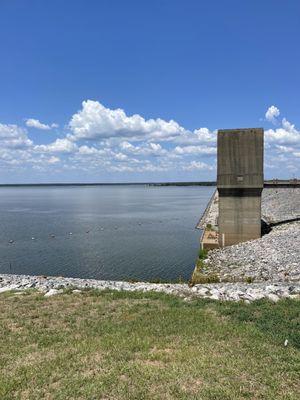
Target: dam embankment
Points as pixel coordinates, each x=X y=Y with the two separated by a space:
x=275 y=257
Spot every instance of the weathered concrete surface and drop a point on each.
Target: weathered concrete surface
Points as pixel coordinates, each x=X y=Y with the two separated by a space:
x=210 y=240
x=52 y=286
x=239 y=219
x=240 y=183
x=240 y=158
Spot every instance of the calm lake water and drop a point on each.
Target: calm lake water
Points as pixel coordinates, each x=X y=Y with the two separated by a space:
x=117 y=232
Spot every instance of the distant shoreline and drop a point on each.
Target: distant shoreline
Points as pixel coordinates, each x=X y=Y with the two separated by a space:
x=267 y=183
x=110 y=184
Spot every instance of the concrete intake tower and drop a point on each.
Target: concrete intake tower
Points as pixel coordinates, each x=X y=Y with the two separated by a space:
x=240 y=183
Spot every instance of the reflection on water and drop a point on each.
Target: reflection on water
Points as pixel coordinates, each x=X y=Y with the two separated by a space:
x=104 y=232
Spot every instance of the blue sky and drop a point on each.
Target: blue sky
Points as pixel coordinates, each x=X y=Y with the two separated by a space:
x=134 y=91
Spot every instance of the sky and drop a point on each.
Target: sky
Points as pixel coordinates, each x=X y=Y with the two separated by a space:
x=135 y=91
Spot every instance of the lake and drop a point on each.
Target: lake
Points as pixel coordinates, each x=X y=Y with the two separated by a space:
x=103 y=232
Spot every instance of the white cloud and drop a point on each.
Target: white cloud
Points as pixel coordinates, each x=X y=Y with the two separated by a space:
x=282 y=136
x=289 y=127
x=59 y=146
x=95 y=121
x=53 y=160
x=271 y=114
x=101 y=139
x=204 y=150
x=35 y=123
x=89 y=151
x=121 y=168
x=199 y=136
x=126 y=146
x=204 y=135
x=121 y=157
x=13 y=136
x=286 y=134
x=145 y=149
x=198 y=165
x=284 y=149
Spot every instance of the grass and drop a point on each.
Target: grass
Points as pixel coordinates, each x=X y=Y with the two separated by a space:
x=198 y=277
x=118 y=345
x=202 y=255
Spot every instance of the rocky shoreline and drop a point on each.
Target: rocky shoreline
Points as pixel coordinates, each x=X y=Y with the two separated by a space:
x=50 y=286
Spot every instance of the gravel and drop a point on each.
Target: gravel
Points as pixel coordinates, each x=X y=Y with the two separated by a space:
x=51 y=286
x=280 y=204
x=277 y=205
x=275 y=257
x=210 y=215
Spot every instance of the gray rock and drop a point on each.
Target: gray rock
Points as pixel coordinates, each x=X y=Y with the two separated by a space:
x=6 y=289
x=216 y=291
x=273 y=297
x=52 y=292
x=275 y=257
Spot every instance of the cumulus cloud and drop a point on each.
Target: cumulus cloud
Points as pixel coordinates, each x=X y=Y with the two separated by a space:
x=198 y=165
x=285 y=139
x=285 y=135
x=94 y=121
x=53 y=160
x=282 y=146
x=200 y=150
x=13 y=136
x=101 y=139
x=121 y=157
x=59 y=146
x=90 y=151
x=35 y=123
x=197 y=137
x=288 y=126
x=145 y=149
x=271 y=114
x=282 y=136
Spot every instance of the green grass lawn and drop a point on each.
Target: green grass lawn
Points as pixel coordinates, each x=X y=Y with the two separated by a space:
x=110 y=345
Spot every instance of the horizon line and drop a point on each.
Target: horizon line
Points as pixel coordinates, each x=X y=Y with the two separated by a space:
x=203 y=183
